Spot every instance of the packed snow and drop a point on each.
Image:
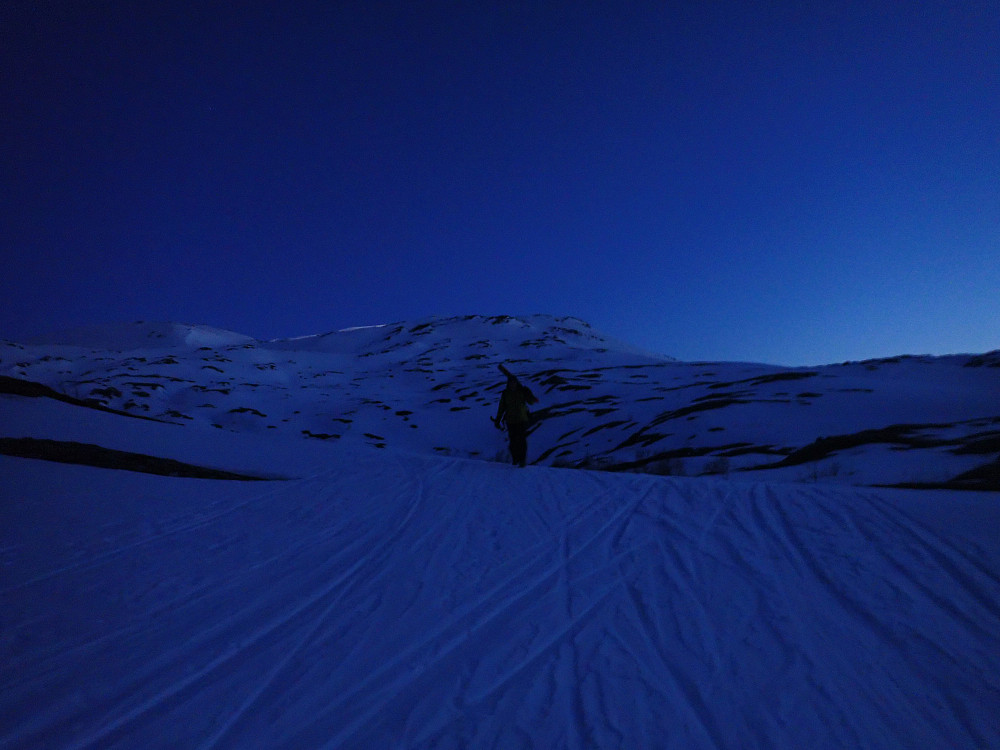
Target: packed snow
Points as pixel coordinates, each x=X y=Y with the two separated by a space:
x=404 y=586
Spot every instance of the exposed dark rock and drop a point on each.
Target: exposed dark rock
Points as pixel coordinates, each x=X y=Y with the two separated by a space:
x=824 y=446
x=985 y=478
x=246 y=410
x=980 y=444
x=109 y=392
x=320 y=435
x=18 y=387
x=87 y=454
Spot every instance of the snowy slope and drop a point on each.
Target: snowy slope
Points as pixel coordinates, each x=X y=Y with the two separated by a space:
x=395 y=600
x=431 y=386
x=384 y=594
x=143 y=335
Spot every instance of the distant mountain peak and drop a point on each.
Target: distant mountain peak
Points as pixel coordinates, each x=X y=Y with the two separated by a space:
x=143 y=334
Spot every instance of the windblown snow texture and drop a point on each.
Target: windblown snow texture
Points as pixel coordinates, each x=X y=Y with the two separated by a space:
x=395 y=596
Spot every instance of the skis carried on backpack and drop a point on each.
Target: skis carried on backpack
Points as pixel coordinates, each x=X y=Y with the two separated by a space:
x=528 y=395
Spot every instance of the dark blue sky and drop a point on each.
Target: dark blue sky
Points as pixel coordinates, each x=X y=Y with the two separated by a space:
x=798 y=182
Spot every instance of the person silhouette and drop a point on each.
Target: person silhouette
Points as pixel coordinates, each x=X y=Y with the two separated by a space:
x=513 y=414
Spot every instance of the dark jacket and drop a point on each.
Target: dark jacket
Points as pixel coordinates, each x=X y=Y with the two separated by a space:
x=514 y=402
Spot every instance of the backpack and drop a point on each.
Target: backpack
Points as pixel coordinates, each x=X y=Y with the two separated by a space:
x=516 y=398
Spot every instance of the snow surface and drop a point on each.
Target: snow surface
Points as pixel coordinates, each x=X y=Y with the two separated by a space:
x=431 y=387
x=393 y=600
x=392 y=597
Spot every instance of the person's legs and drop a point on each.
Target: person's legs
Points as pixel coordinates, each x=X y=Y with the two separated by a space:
x=518 y=435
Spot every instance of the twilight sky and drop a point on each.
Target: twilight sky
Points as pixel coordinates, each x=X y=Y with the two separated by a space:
x=788 y=182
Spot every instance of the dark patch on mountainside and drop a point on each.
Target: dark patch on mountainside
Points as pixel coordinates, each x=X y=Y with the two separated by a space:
x=31 y=389
x=901 y=436
x=87 y=454
x=985 y=478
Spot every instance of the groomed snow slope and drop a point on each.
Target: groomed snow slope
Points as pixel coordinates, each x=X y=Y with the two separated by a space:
x=394 y=600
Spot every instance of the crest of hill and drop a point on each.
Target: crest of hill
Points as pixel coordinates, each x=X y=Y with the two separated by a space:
x=465 y=338
x=144 y=335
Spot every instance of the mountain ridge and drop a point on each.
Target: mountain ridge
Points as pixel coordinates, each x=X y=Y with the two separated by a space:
x=431 y=385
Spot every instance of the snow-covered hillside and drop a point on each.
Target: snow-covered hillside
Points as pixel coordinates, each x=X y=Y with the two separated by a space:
x=431 y=386
x=388 y=580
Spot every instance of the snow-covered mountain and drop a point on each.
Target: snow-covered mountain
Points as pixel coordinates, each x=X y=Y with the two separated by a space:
x=431 y=386
x=390 y=581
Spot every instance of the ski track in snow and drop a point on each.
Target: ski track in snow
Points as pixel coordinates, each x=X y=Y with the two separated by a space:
x=400 y=601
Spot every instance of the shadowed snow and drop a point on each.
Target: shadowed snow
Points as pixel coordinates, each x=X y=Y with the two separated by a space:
x=400 y=601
